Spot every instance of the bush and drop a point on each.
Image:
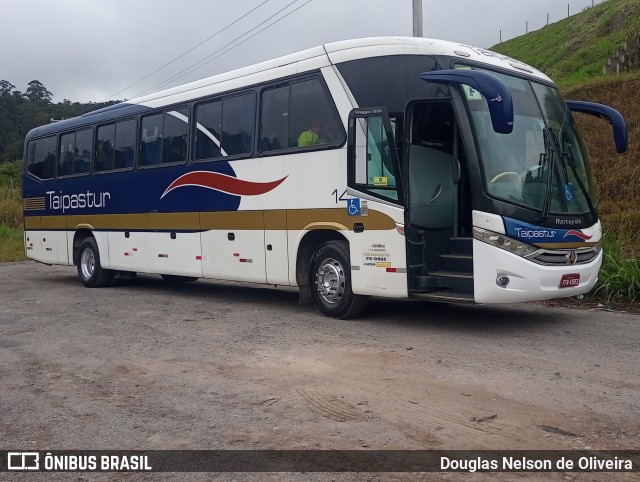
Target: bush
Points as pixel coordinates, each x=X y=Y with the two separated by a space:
x=619 y=278
x=11 y=174
x=10 y=206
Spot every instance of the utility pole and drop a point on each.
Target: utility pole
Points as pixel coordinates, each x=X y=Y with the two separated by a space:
x=417 y=18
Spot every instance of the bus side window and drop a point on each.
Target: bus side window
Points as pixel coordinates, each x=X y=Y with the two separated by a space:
x=125 y=144
x=238 y=114
x=174 y=136
x=311 y=120
x=104 y=148
x=151 y=140
x=208 y=131
x=42 y=157
x=274 y=121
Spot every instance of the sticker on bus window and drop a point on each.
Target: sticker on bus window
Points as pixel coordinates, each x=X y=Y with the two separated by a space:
x=470 y=92
x=380 y=181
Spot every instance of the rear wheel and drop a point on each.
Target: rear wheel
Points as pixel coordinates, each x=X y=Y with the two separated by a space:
x=331 y=282
x=91 y=274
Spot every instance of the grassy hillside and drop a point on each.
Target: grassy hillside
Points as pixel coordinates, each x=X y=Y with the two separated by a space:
x=575 y=50
x=617 y=177
x=572 y=52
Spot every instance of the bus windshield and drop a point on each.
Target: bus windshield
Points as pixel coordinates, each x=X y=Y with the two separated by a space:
x=543 y=163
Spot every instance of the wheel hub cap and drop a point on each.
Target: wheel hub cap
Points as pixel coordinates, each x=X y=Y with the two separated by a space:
x=87 y=263
x=330 y=280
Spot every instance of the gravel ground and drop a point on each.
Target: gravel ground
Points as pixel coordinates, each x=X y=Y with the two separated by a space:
x=219 y=365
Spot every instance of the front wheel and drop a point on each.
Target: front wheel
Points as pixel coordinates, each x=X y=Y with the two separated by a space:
x=331 y=282
x=90 y=272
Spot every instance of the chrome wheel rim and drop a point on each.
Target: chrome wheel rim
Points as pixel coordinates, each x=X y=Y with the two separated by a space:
x=87 y=263
x=330 y=281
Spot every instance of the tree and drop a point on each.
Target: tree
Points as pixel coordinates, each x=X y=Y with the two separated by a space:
x=6 y=88
x=38 y=93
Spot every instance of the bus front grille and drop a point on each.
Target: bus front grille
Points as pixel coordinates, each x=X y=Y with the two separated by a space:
x=564 y=257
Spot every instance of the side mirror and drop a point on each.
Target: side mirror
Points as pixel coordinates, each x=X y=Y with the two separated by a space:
x=612 y=116
x=494 y=90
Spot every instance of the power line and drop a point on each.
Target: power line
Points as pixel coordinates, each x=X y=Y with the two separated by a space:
x=190 y=50
x=221 y=51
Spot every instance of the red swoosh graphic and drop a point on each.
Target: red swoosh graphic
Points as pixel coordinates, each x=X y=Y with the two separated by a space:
x=222 y=182
x=579 y=234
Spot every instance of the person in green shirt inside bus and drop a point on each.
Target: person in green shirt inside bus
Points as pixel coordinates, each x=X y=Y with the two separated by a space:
x=310 y=137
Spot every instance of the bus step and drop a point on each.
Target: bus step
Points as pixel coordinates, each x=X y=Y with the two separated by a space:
x=437 y=281
x=445 y=297
x=454 y=281
x=456 y=262
x=461 y=245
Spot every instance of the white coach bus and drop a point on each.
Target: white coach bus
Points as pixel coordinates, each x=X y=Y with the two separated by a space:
x=392 y=167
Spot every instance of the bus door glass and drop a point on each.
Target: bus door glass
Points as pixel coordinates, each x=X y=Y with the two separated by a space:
x=375 y=206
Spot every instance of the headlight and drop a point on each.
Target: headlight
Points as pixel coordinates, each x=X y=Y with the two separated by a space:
x=503 y=242
x=598 y=247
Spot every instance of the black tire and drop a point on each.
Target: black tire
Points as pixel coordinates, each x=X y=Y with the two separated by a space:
x=90 y=272
x=172 y=278
x=330 y=281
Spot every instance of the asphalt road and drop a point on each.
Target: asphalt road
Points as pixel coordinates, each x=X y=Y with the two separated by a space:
x=218 y=365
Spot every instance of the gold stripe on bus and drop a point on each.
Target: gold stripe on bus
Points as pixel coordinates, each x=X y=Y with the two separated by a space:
x=174 y=221
x=564 y=245
x=132 y=222
x=240 y=220
x=32 y=222
x=275 y=220
x=52 y=222
x=301 y=219
x=295 y=219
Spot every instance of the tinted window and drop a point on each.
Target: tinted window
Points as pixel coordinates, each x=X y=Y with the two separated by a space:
x=274 y=119
x=397 y=80
x=41 y=160
x=311 y=119
x=238 y=114
x=151 y=140
x=208 y=130
x=163 y=139
x=299 y=115
x=174 y=136
x=125 y=144
x=104 y=148
x=65 y=161
x=83 y=151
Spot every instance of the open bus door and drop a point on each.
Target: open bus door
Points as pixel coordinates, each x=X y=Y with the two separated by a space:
x=375 y=206
x=439 y=206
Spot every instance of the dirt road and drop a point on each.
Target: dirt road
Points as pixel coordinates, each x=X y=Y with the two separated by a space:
x=216 y=365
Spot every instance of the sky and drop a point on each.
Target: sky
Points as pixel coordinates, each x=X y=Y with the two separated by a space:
x=97 y=50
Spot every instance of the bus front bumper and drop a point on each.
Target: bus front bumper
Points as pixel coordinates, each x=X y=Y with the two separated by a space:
x=503 y=277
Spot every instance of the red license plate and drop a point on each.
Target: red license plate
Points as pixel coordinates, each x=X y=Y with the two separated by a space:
x=570 y=280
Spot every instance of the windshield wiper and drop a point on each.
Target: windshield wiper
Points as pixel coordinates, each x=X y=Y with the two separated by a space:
x=567 y=159
x=551 y=161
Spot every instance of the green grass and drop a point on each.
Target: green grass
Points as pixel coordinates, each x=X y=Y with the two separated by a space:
x=619 y=278
x=11 y=244
x=10 y=206
x=574 y=50
x=11 y=233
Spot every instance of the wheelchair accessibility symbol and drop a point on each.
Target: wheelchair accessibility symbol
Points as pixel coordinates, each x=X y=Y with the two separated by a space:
x=353 y=207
